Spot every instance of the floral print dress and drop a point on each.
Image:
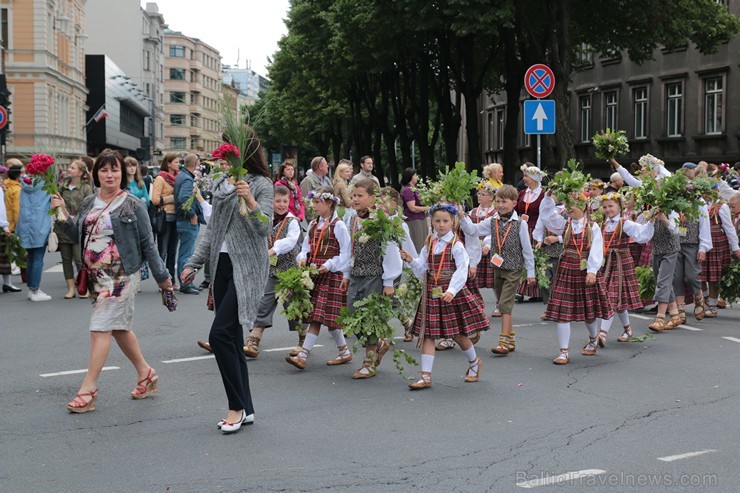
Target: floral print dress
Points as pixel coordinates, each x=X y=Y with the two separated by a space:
x=113 y=290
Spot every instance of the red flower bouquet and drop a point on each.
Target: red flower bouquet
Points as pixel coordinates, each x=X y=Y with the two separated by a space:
x=226 y=151
x=42 y=168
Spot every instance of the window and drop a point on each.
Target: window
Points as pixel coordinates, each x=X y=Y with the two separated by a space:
x=640 y=111
x=177 y=74
x=177 y=120
x=147 y=60
x=584 y=104
x=4 y=28
x=501 y=123
x=178 y=51
x=491 y=130
x=713 y=105
x=584 y=55
x=177 y=142
x=674 y=109
x=148 y=89
x=610 y=110
x=194 y=121
x=177 y=97
x=131 y=123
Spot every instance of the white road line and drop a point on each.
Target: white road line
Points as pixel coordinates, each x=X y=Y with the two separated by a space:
x=560 y=478
x=530 y=325
x=182 y=360
x=688 y=327
x=56 y=268
x=671 y=458
x=641 y=317
x=733 y=339
x=284 y=348
x=74 y=372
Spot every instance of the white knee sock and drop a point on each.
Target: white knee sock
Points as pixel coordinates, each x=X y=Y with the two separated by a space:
x=564 y=335
x=606 y=324
x=624 y=317
x=308 y=345
x=427 y=361
x=593 y=328
x=338 y=337
x=6 y=280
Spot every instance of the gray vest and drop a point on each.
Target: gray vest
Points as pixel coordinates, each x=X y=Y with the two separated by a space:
x=664 y=241
x=511 y=249
x=367 y=258
x=553 y=251
x=692 y=233
x=286 y=260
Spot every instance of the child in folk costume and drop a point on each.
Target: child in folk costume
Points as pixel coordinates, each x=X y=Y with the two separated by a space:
x=485 y=209
x=447 y=308
x=371 y=270
x=724 y=247
x=618 y=269
x=528 y=208
x=552 y=245
x=595 y=188
x=283 y=247
x=327 y=248
x=579 y=292
x=734 y=204
x=512 y=252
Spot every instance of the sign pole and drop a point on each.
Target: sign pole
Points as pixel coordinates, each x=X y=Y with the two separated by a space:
x=539 y=150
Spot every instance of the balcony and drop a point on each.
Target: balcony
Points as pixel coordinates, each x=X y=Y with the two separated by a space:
x=196 y=109
x=196 y=65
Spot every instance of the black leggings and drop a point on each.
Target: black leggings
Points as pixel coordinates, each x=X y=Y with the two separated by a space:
x=227 y=338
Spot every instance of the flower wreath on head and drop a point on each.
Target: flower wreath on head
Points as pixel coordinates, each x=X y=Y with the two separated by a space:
x=650 y=162
x=485 y=186
x=615 y=196
x=580 y=198
x=325 y=196
x=533 y=172
x=443 y=207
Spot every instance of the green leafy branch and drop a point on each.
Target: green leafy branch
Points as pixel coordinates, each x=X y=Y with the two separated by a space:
x=293 y=291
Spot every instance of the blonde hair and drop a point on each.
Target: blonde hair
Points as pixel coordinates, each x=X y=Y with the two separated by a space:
x=490 y=168
x=343 y=166
x=13 y=162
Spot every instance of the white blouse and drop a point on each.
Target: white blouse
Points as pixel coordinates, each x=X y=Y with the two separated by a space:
x=641 y=233
x=459 y=277
x=558 y=224
x=392 y=263
x=339 y=262
x=286 y=244
x=728 y=227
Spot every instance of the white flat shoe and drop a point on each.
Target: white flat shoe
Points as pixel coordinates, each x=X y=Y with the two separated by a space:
x=246 y=420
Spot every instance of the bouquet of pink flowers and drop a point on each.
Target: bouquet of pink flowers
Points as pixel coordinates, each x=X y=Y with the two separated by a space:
x=42 y=168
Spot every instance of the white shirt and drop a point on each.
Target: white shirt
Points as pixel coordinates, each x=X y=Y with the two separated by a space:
x=558 y=224
x=288 y=243
x=407 y=244
x=540 y=231
x=459 y=277
x=634 y=182
x=207 y=210
x=484 y=228
x=3 y=212
x=705 y=230
x=641 y=233
x=392 y=263
x=532 y=195
x=338 y=262
x=725 y=190
x=728 y=227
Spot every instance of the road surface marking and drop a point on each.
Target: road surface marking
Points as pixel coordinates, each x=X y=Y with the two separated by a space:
x=671 y=458
x=641 y=317
x=733 y=339
x=688 y=327
x=56 y=268
x=530 y=325
x=74 y=372
x=560 y=478
x=194 y=358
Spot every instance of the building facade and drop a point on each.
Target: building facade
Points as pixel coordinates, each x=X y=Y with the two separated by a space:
x=248 y=82
x=681 y=106
x=193 y=95
x=44 y=61
x=127 y=107
x=138 y=49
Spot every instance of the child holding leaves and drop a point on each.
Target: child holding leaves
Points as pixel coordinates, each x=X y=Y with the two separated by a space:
x=724 y=247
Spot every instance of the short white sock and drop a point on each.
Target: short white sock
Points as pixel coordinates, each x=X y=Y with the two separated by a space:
x=712 y=302
x=606 y=324
x=564 y=335
x=308 y=345
x=593 y=328
x=624 y=317
x=427 y=361
x=338 y=337
x=470 y=354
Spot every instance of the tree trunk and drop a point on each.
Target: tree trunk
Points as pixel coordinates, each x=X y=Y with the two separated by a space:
x=559 y=60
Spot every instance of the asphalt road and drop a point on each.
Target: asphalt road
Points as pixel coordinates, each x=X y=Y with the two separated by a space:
x=659 y=415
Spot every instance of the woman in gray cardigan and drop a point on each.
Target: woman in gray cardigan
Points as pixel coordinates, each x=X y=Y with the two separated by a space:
x=113 y=229
x=235 y=247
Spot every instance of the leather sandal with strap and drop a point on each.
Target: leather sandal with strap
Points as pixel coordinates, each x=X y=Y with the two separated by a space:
x=424 y=382
x=252 y=347
x=367 y=370
x=296 y=350
x=673 y=322
x=344 y=356
x=699 y=306
x=80 y=405
x=408 y=335
x=563 y=358
x=602 y=337
x=503 y=345
x=296 y=360
x=710 y=311
x=590 y=348
x=721 y=304
x=383 y=347
x=626 y=336
x=146 y=386
x=445 y=344
x=472 y=375
x=658 y=325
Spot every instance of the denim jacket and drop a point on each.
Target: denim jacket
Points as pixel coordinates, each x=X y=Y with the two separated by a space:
x=132 y=233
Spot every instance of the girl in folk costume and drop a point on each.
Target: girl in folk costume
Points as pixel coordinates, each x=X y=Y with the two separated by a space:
x=528 y=208
x=579 y=292
x=618 y=269
x=734 y=204
x=447 y=308
x=724 y=247
x=372 y=270
x=595 y=189
x=485 y=209
x=283 y=247
x=326 y=247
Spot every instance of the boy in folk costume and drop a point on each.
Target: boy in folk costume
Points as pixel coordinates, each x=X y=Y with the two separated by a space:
x=447 y=309
x=578 y=293
x=371 y=269
x=618 y=269
x=724 y=247
x=512 y=252
x=283 y=247
x=326 y=248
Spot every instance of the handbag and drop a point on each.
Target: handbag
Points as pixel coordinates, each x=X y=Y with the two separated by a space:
x=81 y=281
x=158 y=218
x=83 y=276
x=52 y=243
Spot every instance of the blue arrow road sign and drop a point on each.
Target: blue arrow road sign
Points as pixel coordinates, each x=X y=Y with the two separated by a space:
x=539 y=116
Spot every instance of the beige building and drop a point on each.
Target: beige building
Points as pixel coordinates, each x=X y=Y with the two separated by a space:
x=193 y=95
x=45 y=66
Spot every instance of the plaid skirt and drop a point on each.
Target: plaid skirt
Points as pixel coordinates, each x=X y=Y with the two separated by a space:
x=464 y=315
x=621 y=281
x=5 y=266
x=327 y=299
x=636 y=252
x=484 y=276
x=718 y=258
x=531 y=290
x=646 y=255
x=472 y=285
x=571 y=300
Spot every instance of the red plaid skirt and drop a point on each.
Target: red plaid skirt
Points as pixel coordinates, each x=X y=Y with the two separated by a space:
x=719 y=257
x=636 y=252
x=472 y=285
x=571 y=300
x=484 y=276
x=5 y=266
x=531 y=290
x=646 y=255
x=621 y=281
x=463 y=315
x=327 y=299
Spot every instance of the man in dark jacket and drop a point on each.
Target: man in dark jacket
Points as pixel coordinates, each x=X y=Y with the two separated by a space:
x=188 y=221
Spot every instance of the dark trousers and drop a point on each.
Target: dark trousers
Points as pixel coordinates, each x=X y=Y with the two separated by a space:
x=167 y=245
x=227 y=338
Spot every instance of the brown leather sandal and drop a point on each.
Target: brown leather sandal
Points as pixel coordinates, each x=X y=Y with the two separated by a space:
x=472 y=376
x=699 y=306
x=626 y=336
x=602 y=337
x=252 y=347
x=503 y=345
x=368 y=365
x=297 y=361
x=344 y=356
x=424 y=382
x=563 y=358
x=590 y=348
x=658 y=325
